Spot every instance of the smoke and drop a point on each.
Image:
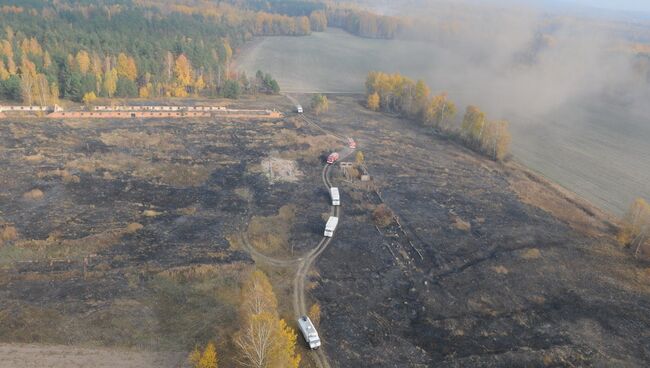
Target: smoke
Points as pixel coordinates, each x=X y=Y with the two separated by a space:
x=568 y=82
x=522 y=60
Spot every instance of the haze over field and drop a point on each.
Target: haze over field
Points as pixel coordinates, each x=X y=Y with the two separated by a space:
x=576 y=103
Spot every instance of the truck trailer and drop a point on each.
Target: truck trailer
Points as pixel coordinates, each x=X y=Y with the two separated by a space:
x=330 y=226
x=309 y=332
x=351 y=143
x=336 y=198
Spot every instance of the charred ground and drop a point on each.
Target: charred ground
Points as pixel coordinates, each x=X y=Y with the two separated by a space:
x=126 y=242
x=478 y=274
x=499 y=283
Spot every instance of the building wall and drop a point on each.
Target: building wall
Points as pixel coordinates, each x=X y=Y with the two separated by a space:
x=24 y=108
x=117 y=112
x=124 y=115
x=158 y=108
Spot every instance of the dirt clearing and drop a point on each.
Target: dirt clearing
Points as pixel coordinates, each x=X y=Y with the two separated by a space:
x=60 y=356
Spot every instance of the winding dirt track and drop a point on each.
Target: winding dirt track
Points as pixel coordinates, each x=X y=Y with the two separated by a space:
x=304 y=262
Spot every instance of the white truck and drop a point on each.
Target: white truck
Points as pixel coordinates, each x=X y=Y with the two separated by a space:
x=331 y=226
x=336 y=197
x=299 y=109
x=309 y=332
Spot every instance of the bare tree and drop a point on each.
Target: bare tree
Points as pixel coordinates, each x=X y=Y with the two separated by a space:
x=255 y=341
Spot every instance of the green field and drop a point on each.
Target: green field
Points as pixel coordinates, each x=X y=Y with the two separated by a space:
x=332 y=61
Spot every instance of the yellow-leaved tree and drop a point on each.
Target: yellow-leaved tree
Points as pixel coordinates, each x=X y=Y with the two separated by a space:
x=199 y=84
x=255 y=340
x=183 y=71
x=110 y=82
x=89 y=98
x=82 y=61
x=4 y=73
x=314 y=312
x=126 y=67
x=320 y=104
x=373 y=101
x=258 y=295
x=495 y=141
x=264 y=340
x=283 y=354
x=204 y=359
x=471 y=129
x=635 y=228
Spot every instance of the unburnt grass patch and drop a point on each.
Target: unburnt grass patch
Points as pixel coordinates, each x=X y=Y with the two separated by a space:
x=56 y=247
x=270 y=234
x=165 y=173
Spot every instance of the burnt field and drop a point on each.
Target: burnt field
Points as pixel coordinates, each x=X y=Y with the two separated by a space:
x=129 y=234
x=123 y=228
x=478 y=277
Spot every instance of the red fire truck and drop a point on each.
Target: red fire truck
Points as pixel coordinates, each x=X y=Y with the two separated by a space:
x=332 y=158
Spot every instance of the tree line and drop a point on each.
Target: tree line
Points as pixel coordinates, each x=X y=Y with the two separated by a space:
x=152 y=48
x=365 y=23
x=81 y=51
x=413 y=99
x=264 y=339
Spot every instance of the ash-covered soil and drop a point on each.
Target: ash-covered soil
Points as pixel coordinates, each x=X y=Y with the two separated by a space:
x=499 y=283
x=124 y=237
x=123 y=226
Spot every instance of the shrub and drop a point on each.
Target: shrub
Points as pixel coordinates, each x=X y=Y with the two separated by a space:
x=314 y=314
x=635 y=229
x=382 y=215
x=34 y=194
x=319 y=104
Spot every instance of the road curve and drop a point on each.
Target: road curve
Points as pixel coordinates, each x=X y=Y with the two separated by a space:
x=266 y=259
x=304 y=262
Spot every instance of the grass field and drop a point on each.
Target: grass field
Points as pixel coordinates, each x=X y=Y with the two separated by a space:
x=598 y=150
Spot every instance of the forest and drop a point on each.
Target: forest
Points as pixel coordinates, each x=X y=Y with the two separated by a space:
x=264 y=339
x=413 y=100
x=80 y=50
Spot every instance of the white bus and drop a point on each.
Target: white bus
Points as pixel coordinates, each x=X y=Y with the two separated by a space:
x=331 y=226
x=336 y=198
x=309 y=332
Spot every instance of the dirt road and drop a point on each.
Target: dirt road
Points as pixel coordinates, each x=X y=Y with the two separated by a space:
x=305 y=262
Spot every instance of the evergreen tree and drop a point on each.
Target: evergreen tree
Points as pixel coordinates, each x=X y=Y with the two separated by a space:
x=231 y=89
x=126 y=88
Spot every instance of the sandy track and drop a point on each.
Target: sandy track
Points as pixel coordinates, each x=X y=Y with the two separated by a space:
x=61 y=356
x=305 y=262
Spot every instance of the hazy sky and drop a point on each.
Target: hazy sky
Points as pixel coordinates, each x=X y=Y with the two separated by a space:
x=630 y=5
